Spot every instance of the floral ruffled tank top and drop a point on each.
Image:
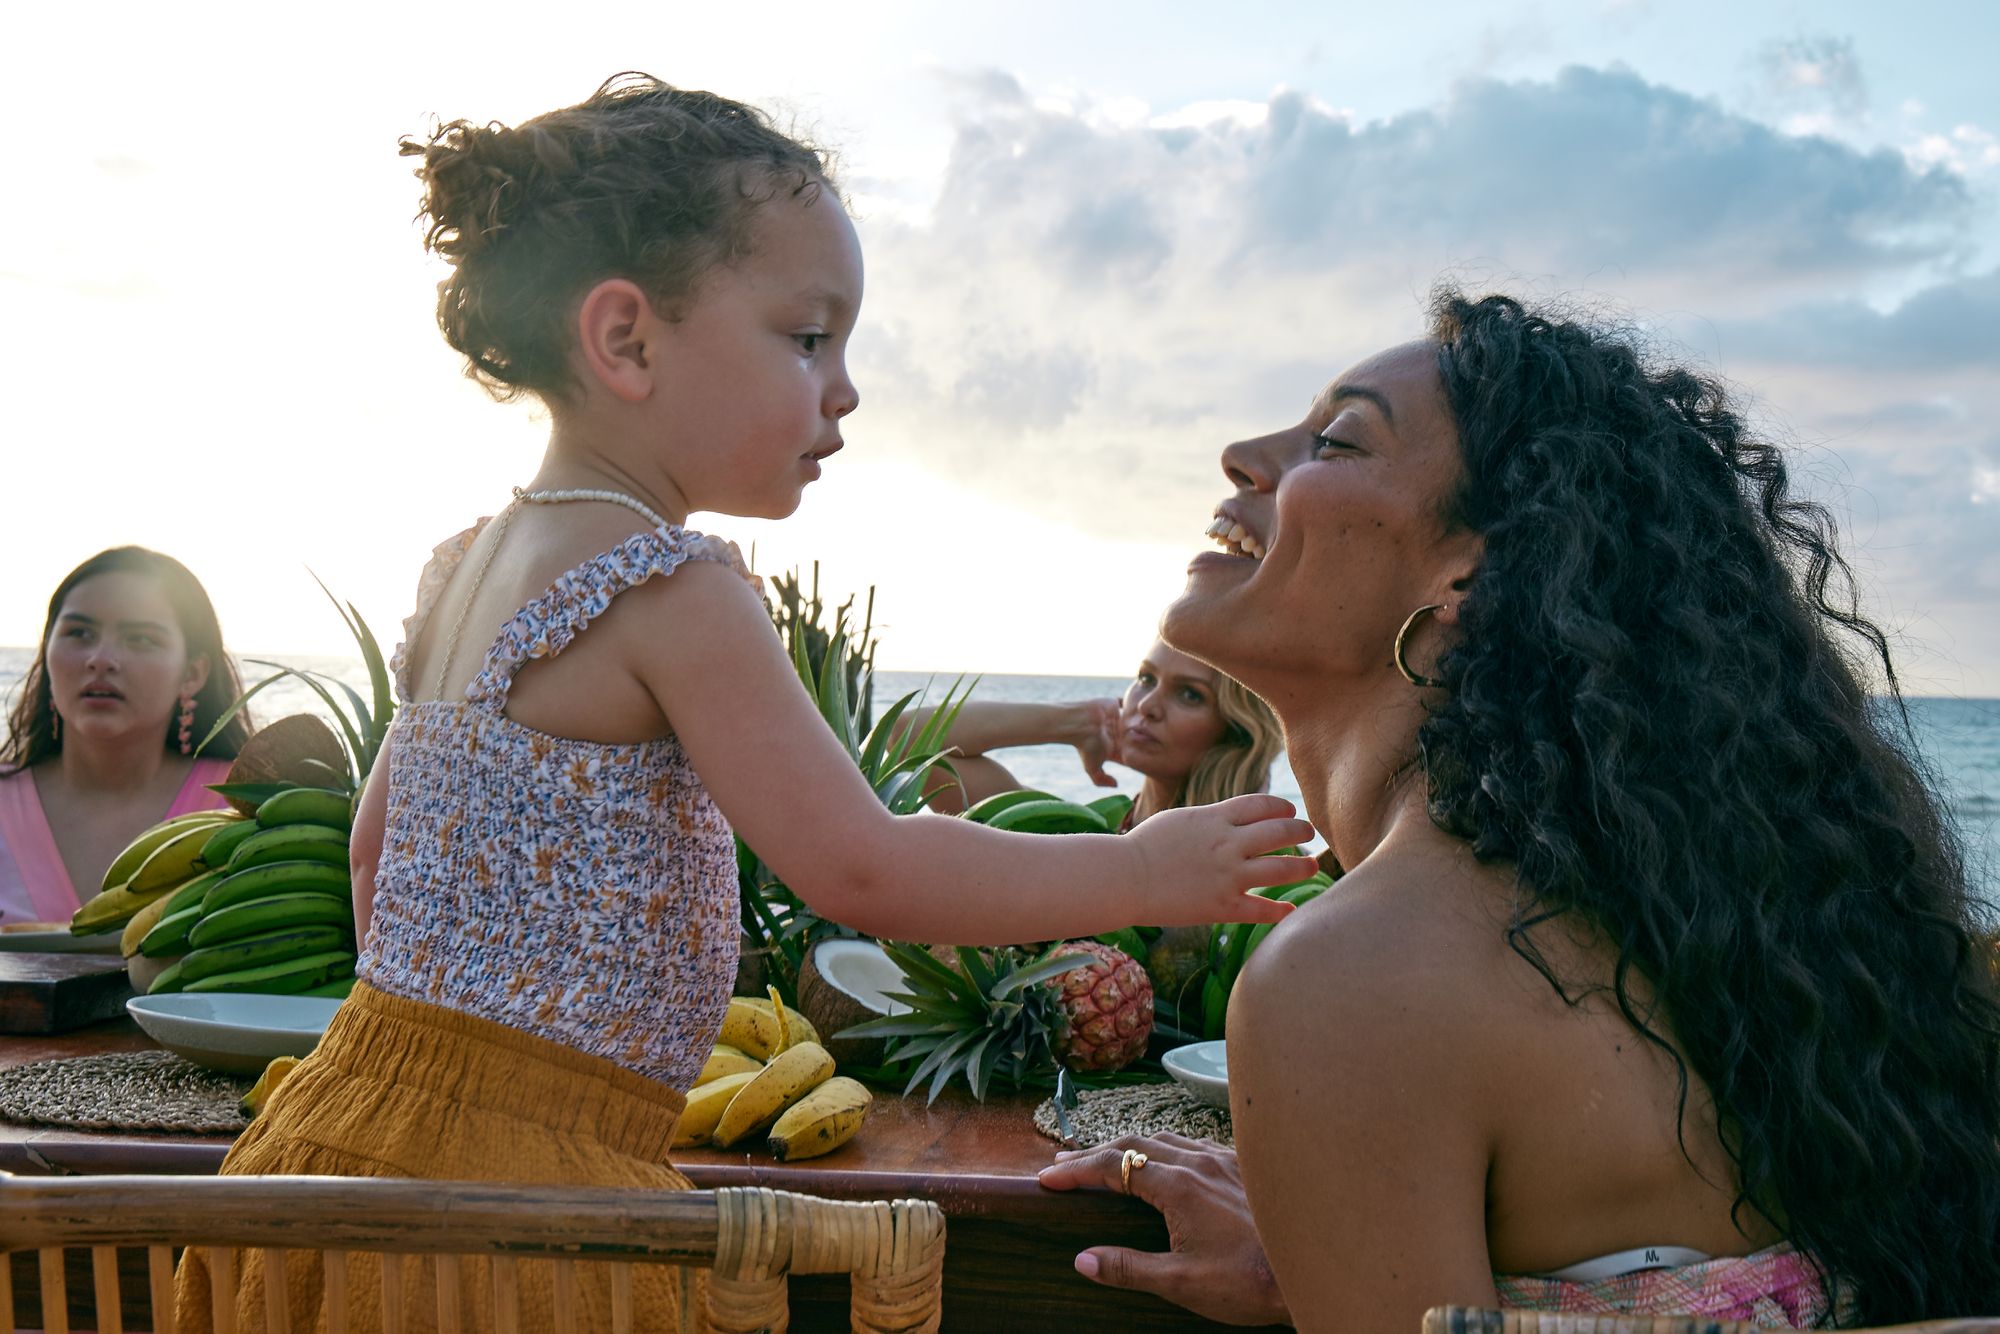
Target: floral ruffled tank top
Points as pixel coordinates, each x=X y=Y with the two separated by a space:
x=580 y=892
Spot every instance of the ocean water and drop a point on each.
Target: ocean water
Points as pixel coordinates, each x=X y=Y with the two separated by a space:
x=1958 y=739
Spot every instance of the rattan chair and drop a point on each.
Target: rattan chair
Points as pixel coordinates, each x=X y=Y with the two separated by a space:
x=749 y=1239
x=1476 y=1320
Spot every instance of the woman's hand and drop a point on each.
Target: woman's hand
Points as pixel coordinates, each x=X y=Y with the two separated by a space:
x=1215 y=1266
x=1099 y=723
x=1197 y=863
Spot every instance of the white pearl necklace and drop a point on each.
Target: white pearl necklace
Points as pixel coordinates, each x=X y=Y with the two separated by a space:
x=500 y=530
x=609 y=497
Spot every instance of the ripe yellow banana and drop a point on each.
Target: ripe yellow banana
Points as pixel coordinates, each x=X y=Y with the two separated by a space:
x=772 y=1089
x=174 y=860
x=822 y=1121
x=705 y=1105
x=796 y=1027
x=135 y=853
x=142 y=921
x=727 y=1060
x=113 y=908
x=752 y=1028
x=267 y=1083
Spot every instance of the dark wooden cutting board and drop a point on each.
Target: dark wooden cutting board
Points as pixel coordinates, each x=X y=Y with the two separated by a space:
x=53 y=993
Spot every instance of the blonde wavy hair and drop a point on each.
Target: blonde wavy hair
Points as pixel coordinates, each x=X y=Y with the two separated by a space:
x=1241 y=761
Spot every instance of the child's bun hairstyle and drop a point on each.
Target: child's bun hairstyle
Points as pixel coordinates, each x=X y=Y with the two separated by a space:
x=641 y=181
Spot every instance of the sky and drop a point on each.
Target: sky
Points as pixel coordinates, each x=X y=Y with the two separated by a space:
x=1102 y=242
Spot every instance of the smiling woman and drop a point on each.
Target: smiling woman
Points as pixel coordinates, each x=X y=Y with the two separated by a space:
x=1654 y=986
x=130 y=676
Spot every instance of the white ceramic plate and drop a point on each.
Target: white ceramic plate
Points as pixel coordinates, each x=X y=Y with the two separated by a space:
x=236 y=1032
x=1203 y=1069
x=58 y=941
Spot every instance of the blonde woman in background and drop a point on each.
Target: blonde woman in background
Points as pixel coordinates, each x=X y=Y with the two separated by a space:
x=1193 y=735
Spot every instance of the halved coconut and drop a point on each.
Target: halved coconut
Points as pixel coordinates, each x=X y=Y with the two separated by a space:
x=299 y=749
x=842 y=983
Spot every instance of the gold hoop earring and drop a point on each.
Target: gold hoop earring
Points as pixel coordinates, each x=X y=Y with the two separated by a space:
x=1402 y=639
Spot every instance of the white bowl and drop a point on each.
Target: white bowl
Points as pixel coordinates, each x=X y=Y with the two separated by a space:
x=236 y=1032
x=1203 y=1070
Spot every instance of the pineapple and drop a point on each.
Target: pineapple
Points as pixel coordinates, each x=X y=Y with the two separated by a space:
x=1107 y=1007
x=1014 y=1013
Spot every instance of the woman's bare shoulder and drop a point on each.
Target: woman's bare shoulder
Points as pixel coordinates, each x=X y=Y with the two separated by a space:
x=1409 y=912
x=1405 y=959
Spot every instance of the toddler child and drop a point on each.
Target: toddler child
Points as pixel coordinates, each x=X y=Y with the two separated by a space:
x=593 y=695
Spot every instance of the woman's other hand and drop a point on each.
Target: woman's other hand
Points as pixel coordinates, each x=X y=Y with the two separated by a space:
x=1096 y=741
x=1215 y=1264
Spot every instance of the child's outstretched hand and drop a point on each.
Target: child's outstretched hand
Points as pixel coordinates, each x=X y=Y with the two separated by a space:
x=1202 y=861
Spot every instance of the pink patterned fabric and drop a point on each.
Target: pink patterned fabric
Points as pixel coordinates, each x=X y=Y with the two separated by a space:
x=34 y=884
x=583 y=893
x=1777 y=1287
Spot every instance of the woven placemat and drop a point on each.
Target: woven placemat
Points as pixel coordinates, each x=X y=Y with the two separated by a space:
x=1102 y=1115
x=139 y=1090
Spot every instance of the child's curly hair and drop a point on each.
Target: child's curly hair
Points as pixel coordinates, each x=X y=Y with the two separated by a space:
x=640 y=180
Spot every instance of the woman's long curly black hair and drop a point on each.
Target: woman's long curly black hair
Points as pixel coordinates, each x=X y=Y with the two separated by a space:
x=1661 y=713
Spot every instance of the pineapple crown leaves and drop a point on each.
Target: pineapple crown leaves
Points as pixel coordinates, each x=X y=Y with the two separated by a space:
x=363 y=724
x=980 y=1020
x=895 y=760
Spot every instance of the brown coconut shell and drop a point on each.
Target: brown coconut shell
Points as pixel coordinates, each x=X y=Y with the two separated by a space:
x=300 y=749
x=829 y=1009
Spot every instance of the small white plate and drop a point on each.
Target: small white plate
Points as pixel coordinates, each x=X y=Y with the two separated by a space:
x=58 y=941
x=237 y=1032
x=1203 y=1070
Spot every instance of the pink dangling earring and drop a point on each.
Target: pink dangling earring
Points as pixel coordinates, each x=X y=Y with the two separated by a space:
x=55 y=724
x=187 y=722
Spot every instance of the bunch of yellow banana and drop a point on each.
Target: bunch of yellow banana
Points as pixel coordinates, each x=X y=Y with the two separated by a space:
x=770 y=1070
x=151 y=865
x=229 y=902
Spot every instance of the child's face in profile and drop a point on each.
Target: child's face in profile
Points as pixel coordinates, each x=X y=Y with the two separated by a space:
x=754 y=382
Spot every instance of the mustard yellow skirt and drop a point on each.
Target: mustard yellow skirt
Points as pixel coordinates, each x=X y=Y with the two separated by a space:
x=399 y=1088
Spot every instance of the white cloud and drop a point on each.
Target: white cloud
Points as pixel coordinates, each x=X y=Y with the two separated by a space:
x=1966 y=149
x=1985 y=484
x=1197 y=115
x=1818 y=73
x=1093 y=308
x=1097 y=304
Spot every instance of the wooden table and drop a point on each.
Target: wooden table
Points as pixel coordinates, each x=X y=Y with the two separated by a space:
x=1007 y=1260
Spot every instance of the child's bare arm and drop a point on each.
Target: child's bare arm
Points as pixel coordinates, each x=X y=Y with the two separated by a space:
x=703 y=645
x=364 y=845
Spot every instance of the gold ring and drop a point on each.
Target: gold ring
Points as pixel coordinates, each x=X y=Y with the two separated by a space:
x=1128 y=1160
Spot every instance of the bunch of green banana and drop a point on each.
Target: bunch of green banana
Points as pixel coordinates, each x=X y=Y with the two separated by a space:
x=770 y=1068
x=1231 y=944
x=1031 y=812
x=268 y=908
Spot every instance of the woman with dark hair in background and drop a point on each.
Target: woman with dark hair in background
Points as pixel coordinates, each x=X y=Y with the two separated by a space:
x=1655 y=985
x=129 y=678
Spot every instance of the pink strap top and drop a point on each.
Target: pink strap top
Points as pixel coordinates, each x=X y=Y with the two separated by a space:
x=580 y=892
x=1777 y=1286
x=34 y=883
